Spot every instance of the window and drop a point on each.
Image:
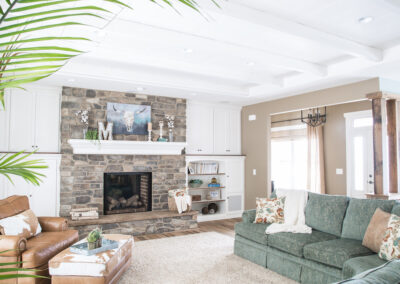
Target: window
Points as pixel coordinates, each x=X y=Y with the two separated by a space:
x=289 y=163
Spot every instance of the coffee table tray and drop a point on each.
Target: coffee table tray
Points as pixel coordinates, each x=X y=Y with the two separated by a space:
x=82 y=248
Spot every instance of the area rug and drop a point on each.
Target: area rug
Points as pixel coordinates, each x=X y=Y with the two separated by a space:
x=199 y=258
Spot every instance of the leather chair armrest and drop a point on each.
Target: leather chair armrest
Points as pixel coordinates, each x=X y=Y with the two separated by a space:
x=12 y=245
x=53 y=224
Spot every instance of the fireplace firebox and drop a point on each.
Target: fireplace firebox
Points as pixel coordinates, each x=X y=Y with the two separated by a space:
x=127 y=192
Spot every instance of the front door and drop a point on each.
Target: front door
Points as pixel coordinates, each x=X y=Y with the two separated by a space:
x=359 y=154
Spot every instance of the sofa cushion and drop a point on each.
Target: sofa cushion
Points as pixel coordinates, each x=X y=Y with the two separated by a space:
x=41 y=248
x=335 y=252
x=325 y=213
x=270 y=210
x=390 y=248
x=294 y=243
x=376 y=230
x=24 y=224
x=396 y=209
x=360 y=264
x=388 y=273
x=252 y=231
x=359 y=214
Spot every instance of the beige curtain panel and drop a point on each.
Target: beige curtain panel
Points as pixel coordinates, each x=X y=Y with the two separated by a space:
x=315 y=159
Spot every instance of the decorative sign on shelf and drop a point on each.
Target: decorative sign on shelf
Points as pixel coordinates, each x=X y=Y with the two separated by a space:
x=87 y=213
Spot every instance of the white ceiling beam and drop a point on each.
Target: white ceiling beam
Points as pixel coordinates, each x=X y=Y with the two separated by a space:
x=274 y=59
x=237 y=10
x=140 y=60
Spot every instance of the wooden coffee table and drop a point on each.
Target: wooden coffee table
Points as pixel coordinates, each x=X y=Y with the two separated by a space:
x=106 y=267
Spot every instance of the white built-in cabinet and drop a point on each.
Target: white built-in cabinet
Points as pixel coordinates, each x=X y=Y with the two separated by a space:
x=31 y=120
x=213 y=129
x=43 y=199
x=231 y=178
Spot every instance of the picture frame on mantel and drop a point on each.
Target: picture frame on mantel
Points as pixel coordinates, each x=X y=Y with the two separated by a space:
x=129 y=119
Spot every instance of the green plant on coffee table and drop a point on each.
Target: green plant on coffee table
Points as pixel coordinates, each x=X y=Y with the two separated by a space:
x=94 y=238
x=92 y=134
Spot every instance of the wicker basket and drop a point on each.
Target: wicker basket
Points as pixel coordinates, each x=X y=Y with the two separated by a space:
x=172 y=205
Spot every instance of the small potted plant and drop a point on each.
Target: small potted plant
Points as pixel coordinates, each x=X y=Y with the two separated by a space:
x=94 y=239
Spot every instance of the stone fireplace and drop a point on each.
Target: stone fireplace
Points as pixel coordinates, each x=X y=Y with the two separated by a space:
x=82 y=175
x=127 y=192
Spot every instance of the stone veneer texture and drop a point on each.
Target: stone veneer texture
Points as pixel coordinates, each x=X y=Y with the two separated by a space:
x=82 y=175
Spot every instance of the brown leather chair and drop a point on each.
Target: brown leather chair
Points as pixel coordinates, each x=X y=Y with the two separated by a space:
x=36 y=251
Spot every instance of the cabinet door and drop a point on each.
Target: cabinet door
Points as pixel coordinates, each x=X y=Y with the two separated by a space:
x=43 y=198
x=4 y=122
x=234 y=176
x=234 y=136
x=47 y=119
x=22 y=110
x=221 y=136
x=235 y=203
x=199 y=129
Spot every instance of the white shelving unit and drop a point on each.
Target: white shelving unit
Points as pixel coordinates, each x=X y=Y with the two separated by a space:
x=231 y=178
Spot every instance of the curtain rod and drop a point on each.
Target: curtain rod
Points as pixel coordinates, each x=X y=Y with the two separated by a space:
x=286 y=120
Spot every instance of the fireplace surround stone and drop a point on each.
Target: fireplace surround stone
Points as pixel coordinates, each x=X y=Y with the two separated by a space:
x=82 y=176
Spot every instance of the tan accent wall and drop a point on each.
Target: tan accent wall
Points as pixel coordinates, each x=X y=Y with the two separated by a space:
x=335 y=144
x=256 y=134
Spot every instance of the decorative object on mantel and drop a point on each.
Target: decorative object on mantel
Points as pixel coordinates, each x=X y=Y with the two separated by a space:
x=128 y=118
x=125 y=147
x=160 y=138
x=83 y=116
x=170 y=123
x=92 y=134
x=149 y=129
x=214 y=183
x=314 y=117
x=105 y=133
x=88 y=213
x=193 y=183
x=179 y=200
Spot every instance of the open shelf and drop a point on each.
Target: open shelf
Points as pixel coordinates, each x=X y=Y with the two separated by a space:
x=194 y=188
x=208 y=201
x=215 y=174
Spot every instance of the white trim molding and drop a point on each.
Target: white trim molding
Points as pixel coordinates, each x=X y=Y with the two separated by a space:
x=110 y=147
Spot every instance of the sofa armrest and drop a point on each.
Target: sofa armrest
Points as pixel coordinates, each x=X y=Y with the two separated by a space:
x=53 y=224
x=249 y=216
x=12 y=245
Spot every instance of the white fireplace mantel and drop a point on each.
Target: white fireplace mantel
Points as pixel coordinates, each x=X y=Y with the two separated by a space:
x=119 y=147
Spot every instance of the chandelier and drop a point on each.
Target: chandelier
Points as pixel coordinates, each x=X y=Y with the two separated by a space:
x=313 y=117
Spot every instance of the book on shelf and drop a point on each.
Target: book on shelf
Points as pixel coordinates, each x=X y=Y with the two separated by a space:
x=203 y=167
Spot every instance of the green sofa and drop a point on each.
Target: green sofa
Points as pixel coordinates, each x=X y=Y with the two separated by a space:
x=332 y=252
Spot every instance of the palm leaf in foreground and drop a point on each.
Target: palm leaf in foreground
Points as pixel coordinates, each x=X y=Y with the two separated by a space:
x=22 y=20
x=17 y=270
x=17 y=164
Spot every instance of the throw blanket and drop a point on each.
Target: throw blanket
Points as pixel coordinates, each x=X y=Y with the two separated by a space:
x=295 y=205
x=182 y=199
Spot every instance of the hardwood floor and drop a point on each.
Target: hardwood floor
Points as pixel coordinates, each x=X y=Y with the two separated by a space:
x=221 y=226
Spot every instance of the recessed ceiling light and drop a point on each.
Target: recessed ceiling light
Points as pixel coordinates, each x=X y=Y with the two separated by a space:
x=365 y=20
x=71 y=80
x=139 y=89
x=250 y=63
x=188 y=50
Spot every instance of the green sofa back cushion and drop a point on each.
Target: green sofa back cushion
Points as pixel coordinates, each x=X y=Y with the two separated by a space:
x=325 y=213
x=359 y=214
x=396 y=209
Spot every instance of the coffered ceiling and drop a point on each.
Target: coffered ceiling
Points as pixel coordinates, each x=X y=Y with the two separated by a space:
x=244 y=52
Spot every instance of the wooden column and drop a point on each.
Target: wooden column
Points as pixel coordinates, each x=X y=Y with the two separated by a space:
x=391 y=110
x=377 y=104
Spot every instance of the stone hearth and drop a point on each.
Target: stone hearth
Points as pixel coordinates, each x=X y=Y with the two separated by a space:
x=82 y=175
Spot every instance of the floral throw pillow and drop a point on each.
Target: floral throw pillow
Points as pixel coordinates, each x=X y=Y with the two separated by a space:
x=270 y=210
x=390 y=247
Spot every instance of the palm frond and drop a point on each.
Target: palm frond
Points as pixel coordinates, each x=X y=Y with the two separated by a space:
x=16 y=164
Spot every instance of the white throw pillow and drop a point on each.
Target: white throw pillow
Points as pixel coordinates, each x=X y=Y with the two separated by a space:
x=25 y=224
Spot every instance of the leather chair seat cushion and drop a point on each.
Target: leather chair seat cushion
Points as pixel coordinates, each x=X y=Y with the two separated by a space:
x=360 y=264
x=253 y=232
x=294 y=243
x=41 y=248
x=335 y=252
